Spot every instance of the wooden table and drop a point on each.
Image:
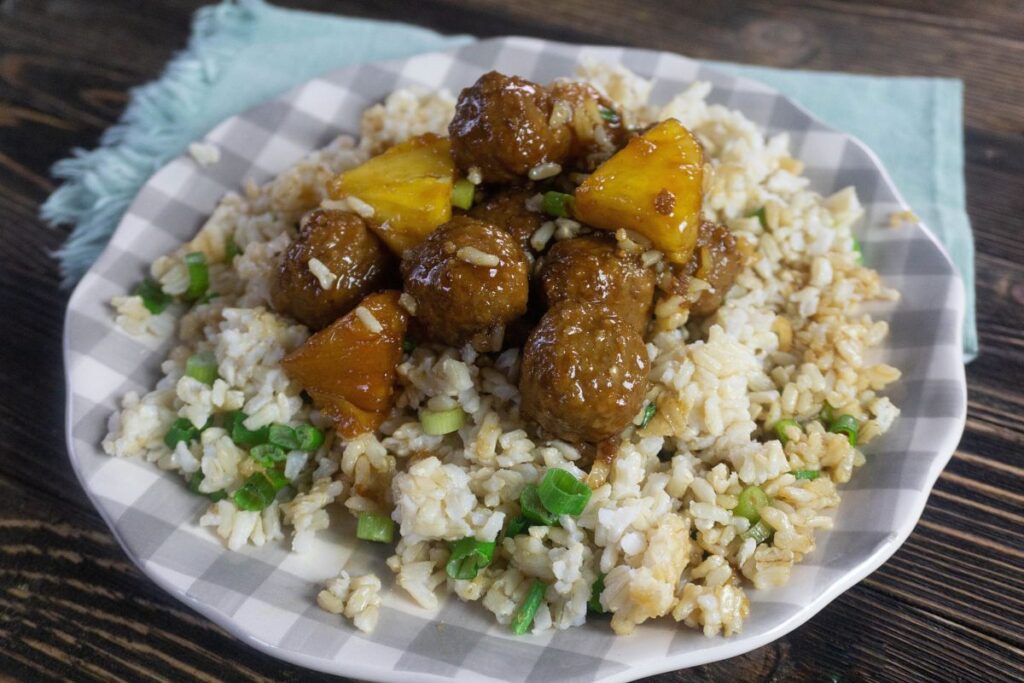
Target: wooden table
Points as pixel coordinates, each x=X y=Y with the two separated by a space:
x=947 y=606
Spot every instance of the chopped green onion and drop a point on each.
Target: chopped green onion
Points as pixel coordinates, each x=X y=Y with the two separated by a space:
x=267 y=454
x=760 y=532
x=846 y=424
x=860 y=251
x=562 y=493
x=181 y=429
x=277 y=478
x=153 y=298
x=558 y=204
x=309 y=437
x=408 y=345
x=827 y=414
x=202 y=366
x=809 y=475
x=437 y=422
x=533 y=510
x=242 y=436
x=609 y=115
x=208 y=297
x=760 y=215
x=595 y=595
x=523 y=616
x=198 y=275
x=649 y=412
x=751 y=500
x=782 y=429
x=231 y=249
x=196 y=480
x=462 y=194
x=375 y=527
x=468 y=557
x=256 y=493
x=283 y=436
x=518 y=525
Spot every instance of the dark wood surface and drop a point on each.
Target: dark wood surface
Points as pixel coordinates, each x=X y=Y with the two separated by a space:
x=947 y=606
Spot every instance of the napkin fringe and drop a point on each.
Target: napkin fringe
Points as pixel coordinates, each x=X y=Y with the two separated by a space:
x=99 y=184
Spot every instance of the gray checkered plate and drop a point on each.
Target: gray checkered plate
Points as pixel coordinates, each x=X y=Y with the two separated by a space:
x=266 y=596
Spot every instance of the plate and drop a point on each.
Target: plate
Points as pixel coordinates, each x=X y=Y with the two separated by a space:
x=266 y=596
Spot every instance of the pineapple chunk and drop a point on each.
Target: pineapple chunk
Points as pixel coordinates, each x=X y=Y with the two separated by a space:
x=409 y=187
x=652 y=186
x=349 y=368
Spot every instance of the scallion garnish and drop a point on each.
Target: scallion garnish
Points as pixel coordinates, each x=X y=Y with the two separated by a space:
x=256 y=493
x=240 y=434
x=408 y=345
x=609 y=115
x=846 y=424
x=196 y=480
x=649 y=412
x=558 y=204
x=438 y=422
x=809 y=475
x=202 y=366
x=310 y=438
x=462 y=194
x=760 y=532
x=782 y=429
x=594 y=604
x=153 y=298
x=751 y=500
x=533 y=510
x=267 y=454
x=231 y=249
x=181 y=429
x=860 y=250
x=523 y=616
x=283 y=436
x=277 y=478
x=760 y=215
x=208 y=297
x=563 y=494
x=827 y=414
x=519 y=524
x=468 y=557
x=198 y=275
x=375 y=527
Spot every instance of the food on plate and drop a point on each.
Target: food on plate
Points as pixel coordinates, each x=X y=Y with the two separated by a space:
x=561 y=350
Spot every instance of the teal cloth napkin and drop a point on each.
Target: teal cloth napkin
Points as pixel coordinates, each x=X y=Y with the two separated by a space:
x=244 y=52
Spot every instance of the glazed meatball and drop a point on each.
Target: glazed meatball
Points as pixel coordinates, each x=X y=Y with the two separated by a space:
x=717 y=260
x=584 y=373
x=343 y=244
x=503 y=126
x=597 y=127
x=595 y=270
x=469 y=279
x=507 y=210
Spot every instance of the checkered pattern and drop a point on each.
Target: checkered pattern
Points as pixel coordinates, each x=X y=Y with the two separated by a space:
x=266 y=596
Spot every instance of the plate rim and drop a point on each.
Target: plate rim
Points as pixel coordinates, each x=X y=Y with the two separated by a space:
x=727 y=647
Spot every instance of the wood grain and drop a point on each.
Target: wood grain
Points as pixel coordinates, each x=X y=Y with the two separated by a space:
x=947 y=606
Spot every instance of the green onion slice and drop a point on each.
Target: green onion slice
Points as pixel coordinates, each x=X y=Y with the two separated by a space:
x=595 y=595
x=196 y=480
x=153 y=298
x=231 y=249
x=437 y=422
x=523 y=616
x=468 y=557
x=198 y=275
x=518 y=525
x=375 y=527
x=760 y=532
x=309 y=437
x=809 y=475
x=256 y=493
x=533 y=510
x=846 y=424
x=760 y=215
x=462 y=194
x=235 y=426
x=268 y=454
x=562 y=493
x=181 y=429
x=558 y=204
x=277 y=478
x=751 y=500
x=827 y=414
x=202 y=366
x=609 y=115
x=283 y=436
x=649 y=412
x=782 y=427
x=860 y=250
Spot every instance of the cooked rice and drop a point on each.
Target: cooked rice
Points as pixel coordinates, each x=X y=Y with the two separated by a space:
x=660 y=526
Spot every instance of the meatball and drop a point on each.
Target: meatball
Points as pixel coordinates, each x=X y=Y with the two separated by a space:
x=717 y=260
x=503 y=126
x=597 y=127
x=469 y=280
x=342 y=243
x=595 y=270
x=507 y=210
x=584 y=373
